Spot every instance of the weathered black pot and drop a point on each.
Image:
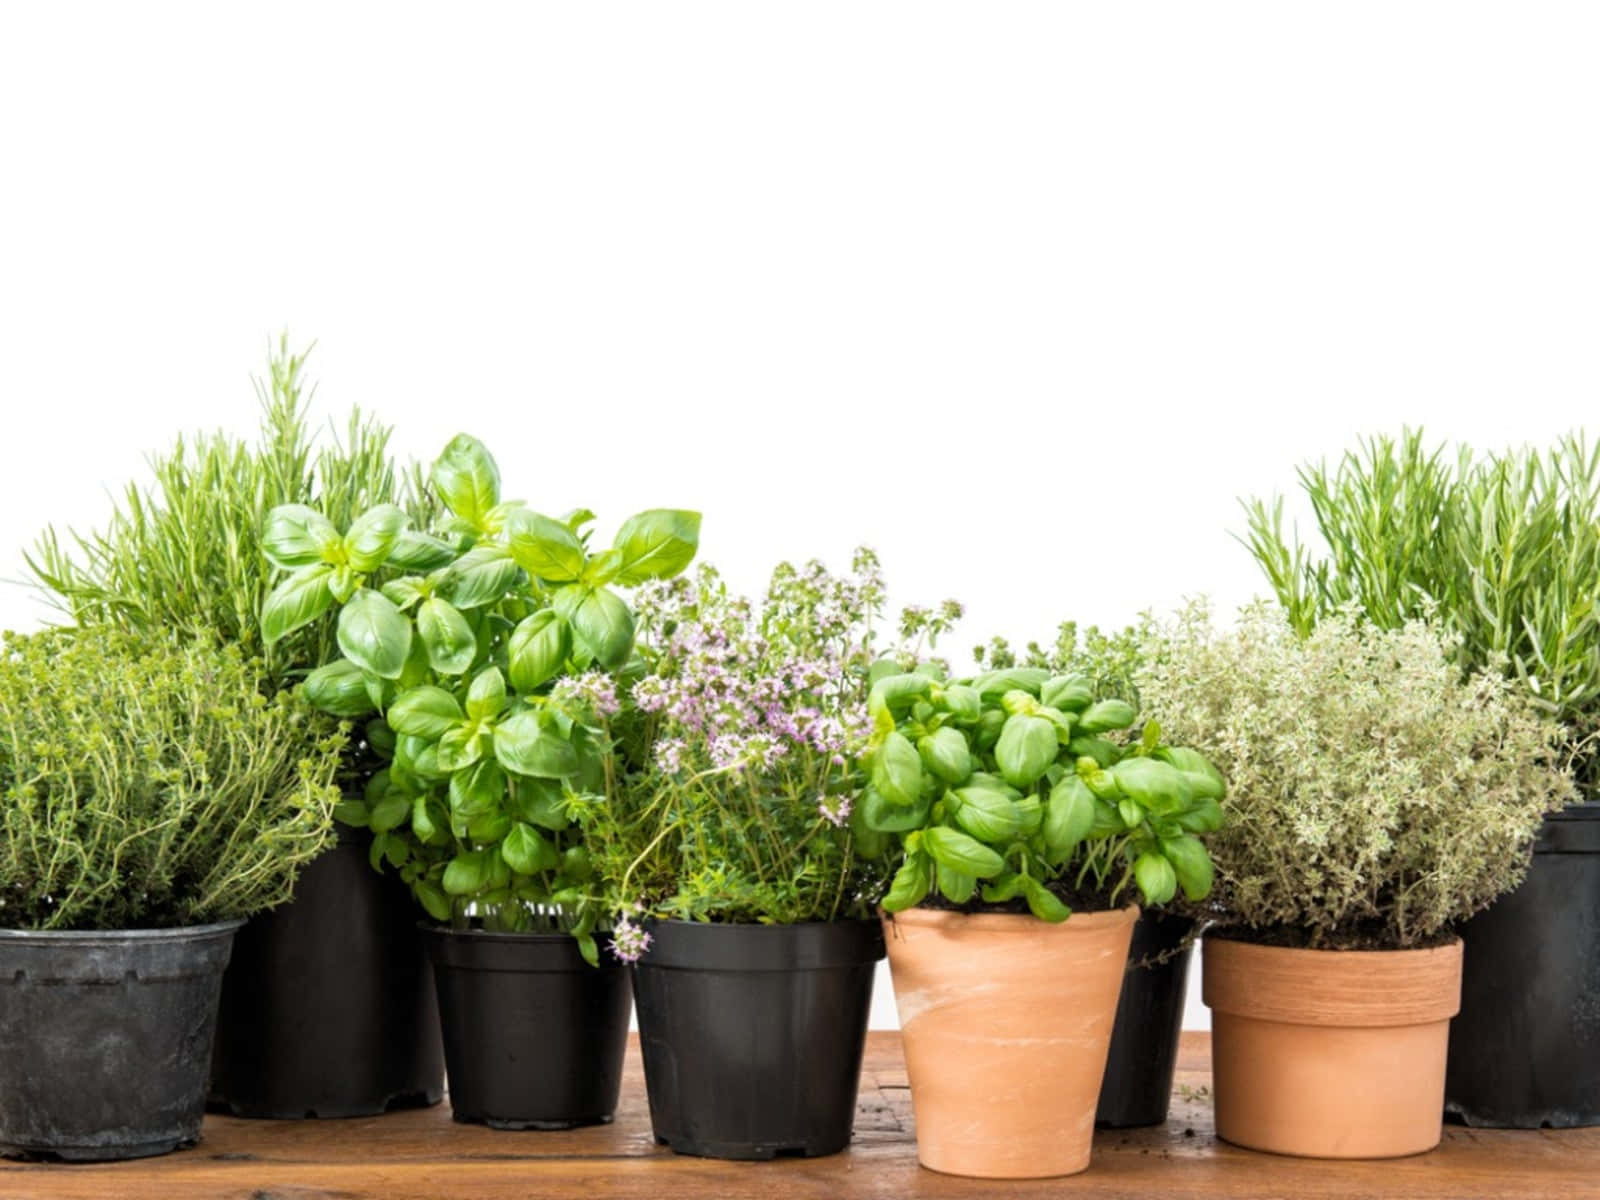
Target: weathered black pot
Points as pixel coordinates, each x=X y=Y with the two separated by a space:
x=1144 y=1041
x=752 y=1035
x=106 y=1039
x=328 y=1007
x=533 y=1035
x=1525 y=1049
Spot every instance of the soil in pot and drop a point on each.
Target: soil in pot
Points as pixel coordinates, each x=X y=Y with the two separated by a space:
x=752 y=1035
x=1330 y=1053
x=328 y=1006
x=1525 y=1049
x=533 y=1035
x=1144 y=1041
x=1006 y=1021
x=107 y=1039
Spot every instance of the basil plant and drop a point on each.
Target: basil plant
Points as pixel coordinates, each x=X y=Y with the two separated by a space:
x=1005 y=789
x=483 y=664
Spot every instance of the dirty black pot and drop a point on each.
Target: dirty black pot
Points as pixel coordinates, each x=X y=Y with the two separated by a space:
x=752 y=1035
x=533 y=1035
x=1144 y=1041
x=106 y=1039
x=1525 y=1048
x=328 y=1007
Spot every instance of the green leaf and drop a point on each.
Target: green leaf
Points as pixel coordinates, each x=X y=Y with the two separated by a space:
x=403 y=593
x=429 y=822
x=956 y=886
x=477 y=789
x=1027 y=746
x=1068 y=817
x=1191 y=864
x=538 y=650
x=1158 y=786
x=527 y=852
x=1157 y=880
x=1043 y=903
x=1204 y=779
x=449 y=640
x=545 y=549
x=374 y=634
x=297 y=536
x=413 y=551
x=487 y=695
x=389 y=812
x=466 y=479
x=893 y=695
x=1069 y=693
x=468 y=872
x=1131 y=812
x=483 y=575
x=962 y=703
x=656 y=544
x=945 y=753
x=524 y=747
x=373 y=536
x=352 y=812
x=339 y=688
x=1106 y=715
x=460 y=747
x=540 y=802
x=986 y=814
x=1004 y=887
x=956 y=851
x=1203 y=816
x=910 y=885
x=424 y=712
x=601 y=623
x=882 y=817
x=296 y=602
x=897 y=770
x=433 y=900
x=1102 y=751
x=998 y=683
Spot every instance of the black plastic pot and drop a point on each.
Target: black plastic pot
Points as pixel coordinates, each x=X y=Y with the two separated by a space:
x=106 y=1039
x=1525 y=1049
x=1144 y=1041
x=328 y=1007
x=533 y=1035
x=752 y=1035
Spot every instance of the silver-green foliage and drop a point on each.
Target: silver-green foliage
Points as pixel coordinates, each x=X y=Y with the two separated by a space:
x=186 y=552
x=151 y=784
x=1377 y=797
x=1505 y=549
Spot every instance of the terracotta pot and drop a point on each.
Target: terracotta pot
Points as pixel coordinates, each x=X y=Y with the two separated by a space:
x=1330 y=1053
x=1006 y=1021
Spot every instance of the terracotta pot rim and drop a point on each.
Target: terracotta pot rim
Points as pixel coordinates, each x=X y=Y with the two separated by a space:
x=1348 y=988
x=1009 y=922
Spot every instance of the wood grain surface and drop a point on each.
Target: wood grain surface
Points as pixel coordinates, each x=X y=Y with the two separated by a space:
x=424 y=1155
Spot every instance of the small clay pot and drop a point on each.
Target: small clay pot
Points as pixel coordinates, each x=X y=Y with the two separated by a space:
x=1330 y=1053
x=1006 y=1020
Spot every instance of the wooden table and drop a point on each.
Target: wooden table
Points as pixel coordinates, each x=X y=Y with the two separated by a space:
x=424 y=1155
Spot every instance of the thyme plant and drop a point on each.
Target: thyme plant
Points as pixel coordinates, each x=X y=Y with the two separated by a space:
x=1378 y=796
x=146 y=784
x=1503 y=549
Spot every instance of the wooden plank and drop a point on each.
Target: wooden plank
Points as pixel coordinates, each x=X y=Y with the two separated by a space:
x=423 y=1155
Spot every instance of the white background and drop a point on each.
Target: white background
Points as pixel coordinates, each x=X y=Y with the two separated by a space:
x=1023 y=295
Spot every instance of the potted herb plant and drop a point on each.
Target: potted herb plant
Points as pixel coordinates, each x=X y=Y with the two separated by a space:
x=1143 y=1056
x=485 y=672
x=1379 y=798
x=1504 y=549
x=743 y=879
x=150 y=798
x=327 y=1006
x=1013 y=808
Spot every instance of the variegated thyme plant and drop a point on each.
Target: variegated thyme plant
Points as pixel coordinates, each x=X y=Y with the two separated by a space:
x=1376 y=797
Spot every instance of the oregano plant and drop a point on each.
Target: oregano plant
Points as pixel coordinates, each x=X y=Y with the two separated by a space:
x=485 y=673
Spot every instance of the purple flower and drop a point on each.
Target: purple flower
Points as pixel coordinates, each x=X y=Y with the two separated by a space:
x=628 y=941
x=834 y=809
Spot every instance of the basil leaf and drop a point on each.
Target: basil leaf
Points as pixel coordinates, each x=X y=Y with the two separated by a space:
x=956 y=851
x=527 y=852
x=1069 y=693
x=538 y=650
x=956 y=886
x=1158 y=786
x=544 y=548
x=296 y=602
x=451 y=644
x=602 y=624
x=1027 y=746
x=477 y=789
x=881 y=816
x=911 y=884
x=373 y=536
x=467 y=873
x=656 y=544
x=467 y=479
x=339 y=688
x=524 y=747
x=1157 y=881
x=945 y=753
x=1068 y=817
x=1043 y=903
x=374 y=634
x=897 y=770
x=424 y=712
x=487 y=695
x=1205 y=780
x=413 y=551
x=459 y=747
x=1191 y=864
x=1106 y=715
x=988 y=815
x=482 y=576
x=295 y=535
